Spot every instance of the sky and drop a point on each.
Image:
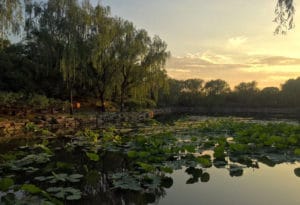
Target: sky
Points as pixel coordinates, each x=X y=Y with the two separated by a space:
x=209 y=39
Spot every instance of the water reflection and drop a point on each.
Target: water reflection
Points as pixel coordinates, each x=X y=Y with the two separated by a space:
x=265 y=185
x=297 y=172
x=236 y=174
x=98 y=191
x=196 y=174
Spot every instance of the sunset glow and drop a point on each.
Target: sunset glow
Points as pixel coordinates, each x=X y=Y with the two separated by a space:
x=232 y=40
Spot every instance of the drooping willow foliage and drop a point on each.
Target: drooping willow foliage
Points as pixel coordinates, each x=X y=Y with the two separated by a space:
x=10 y=18
x=284 y=12
x=93 y=52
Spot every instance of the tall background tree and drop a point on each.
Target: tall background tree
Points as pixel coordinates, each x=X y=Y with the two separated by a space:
x=10 y=19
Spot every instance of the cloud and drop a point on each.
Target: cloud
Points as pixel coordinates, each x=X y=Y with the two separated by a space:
x=237 y=41
x=204 y=61
x=182 y=70
x=276 y=60
x=206 y=65
x=216 y=58
x=266 y=70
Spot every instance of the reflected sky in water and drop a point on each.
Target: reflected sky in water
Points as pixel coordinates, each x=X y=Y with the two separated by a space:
x=267 y=185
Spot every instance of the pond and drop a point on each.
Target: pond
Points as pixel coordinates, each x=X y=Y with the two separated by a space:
x=266 y=185
x=189 y=160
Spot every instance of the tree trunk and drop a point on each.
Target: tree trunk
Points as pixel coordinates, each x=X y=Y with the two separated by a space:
x=102 y=102
x=123 y=87
x=2 y=38
x=122 y=99
x=71 y=102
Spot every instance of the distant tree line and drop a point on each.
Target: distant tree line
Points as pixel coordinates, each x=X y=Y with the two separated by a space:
x=71 y=48
x=217 y=93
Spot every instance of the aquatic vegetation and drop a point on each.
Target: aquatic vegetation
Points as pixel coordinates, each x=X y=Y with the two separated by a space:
x=297 y=151
x=89 y=135
x=237 y=148
x=61 y=177
x=125 y=181
x=141 y=160
x=204 y=161
x=219 y=152
x=6 y=184
x=67 y=193
x=92 y=156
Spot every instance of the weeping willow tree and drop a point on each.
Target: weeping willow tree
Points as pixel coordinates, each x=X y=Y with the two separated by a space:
x=103 y=53
x=284 y=12
x=155 y=75
x=131 y=52
x=10 y=18
x=70 y=58
x=60 y=29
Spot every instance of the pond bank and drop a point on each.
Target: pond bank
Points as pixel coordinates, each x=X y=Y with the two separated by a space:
x=232 y=111
x=62 y=123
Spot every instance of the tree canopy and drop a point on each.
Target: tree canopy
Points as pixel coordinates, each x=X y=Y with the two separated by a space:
x=83 y=50
x=10 y=18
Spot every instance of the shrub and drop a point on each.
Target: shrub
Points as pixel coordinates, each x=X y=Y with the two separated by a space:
x=10 y=99
x=33 y=101
x=38 y=101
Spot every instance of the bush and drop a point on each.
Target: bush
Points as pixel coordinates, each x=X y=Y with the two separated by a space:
x=10 y=99
x=32 y=101
x=38 y=101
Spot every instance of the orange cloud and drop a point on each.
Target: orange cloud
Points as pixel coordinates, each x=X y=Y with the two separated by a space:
x=266 y=70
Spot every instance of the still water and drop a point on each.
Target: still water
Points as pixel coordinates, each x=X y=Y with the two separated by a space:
x=267 y=185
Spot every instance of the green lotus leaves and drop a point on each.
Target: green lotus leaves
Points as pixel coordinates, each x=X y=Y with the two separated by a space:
x=67 y=193
x=132 y=154
x=297 y=151
x=146 y=167
x=6 y=184
x=219 y=152
x=143 y=159
x=204 y=161
x=31 y=188
x=93 y=156
x=61 y=177
x=168 y=170
x=125 y=181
